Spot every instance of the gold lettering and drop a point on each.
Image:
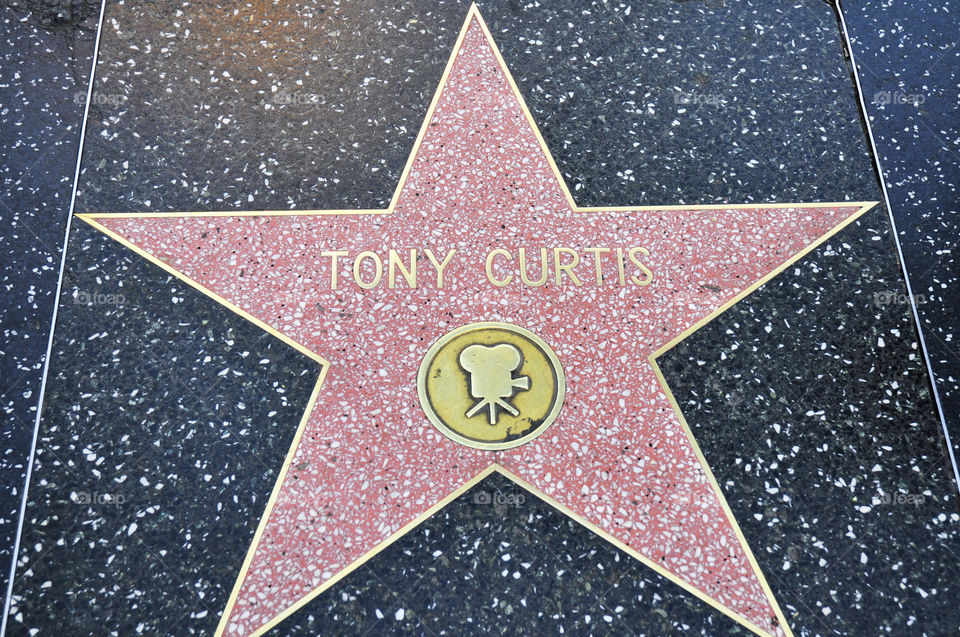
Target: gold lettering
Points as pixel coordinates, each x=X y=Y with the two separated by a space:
x=489 y=267
x=358 y=265
x=567 y=268
x=620 y=272
x=333 y=254
x=440 y=265
x=596 y=252
x=646 y=271
x=394 y=262
x=544 y=273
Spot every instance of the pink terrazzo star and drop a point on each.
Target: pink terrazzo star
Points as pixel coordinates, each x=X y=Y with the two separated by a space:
x=367 y=461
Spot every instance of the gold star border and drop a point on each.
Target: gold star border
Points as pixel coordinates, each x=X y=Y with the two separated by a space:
x=864 y=206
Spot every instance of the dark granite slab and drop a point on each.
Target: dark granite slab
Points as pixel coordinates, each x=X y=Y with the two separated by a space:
x=479 y=566
x=812 y=407
x=44 y=67
x=207 y=107
x=160 y=445
x=909 y=66
x=317 y=106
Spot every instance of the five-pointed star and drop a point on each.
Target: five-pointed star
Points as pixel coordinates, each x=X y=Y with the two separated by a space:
x=366 y=464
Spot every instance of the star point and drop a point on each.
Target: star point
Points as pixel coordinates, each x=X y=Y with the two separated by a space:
x=482 y=228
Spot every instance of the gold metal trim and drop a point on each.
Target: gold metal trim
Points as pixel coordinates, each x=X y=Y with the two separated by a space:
x=199 y=287
x=520 y=482
x=864 y=208
x=491 y=446
x=473 y=12
x=303 y=601
x=387 y=211
x=683 y=421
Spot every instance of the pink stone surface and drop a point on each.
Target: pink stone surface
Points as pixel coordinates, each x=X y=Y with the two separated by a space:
x=369 y=461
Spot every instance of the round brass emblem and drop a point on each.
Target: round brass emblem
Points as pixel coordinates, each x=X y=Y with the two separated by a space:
x=491 y=385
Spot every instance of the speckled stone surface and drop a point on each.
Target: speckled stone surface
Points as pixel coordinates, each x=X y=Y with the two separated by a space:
x=479 y=179
x=163 y=114
x=910 y=70
x=479 y=567
x=160 y=446
x=43 y=80
x=317 y=105
x=812 y=406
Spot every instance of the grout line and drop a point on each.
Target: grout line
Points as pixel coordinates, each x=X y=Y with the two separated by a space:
x=53 y=323
x=896 y=238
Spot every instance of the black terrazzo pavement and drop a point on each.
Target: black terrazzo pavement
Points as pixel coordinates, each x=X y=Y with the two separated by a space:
x=339 y=140
x=910 y=71
x=500 y=561
x=316 y=106
x=160 y=443
x=812 y=407
x=44 y=67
